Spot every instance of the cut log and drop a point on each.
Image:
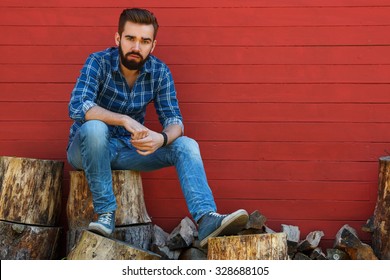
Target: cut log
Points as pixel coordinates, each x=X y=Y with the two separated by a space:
x=381 y=227
x=159 y=244
x=311 y=242
x=317 y=254
x=128 y=190
x=348 y=241
x=301 y=257
x=30 y=190
x=193 y=254
x=369 y=225
x=183 y=235
x=256 y=221
x=26 y=242
x=336 y=254
x=248 y=247
x=92 y=246
x=136 y=235
x=293 y=235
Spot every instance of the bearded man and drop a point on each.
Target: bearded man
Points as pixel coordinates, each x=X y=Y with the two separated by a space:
x=108 y=106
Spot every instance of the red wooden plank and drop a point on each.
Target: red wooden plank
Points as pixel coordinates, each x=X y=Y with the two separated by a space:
x=34 y=149
x=40 y=130
x=321 y=132
x=283 y=73
x=206 y=36
x=206 y=54
x=322 y=151
x=284 y=170
x=42 y=111
x=240 y=151
x=223 y=16
x=284 y=112
x=223 y=112
x=220 y=73
x=191 y=4
x=47 y=92
x=280 y=209
x=262 y=189
x=309 y=93
x=273 y=55
x=248 y=132
x=223 y=93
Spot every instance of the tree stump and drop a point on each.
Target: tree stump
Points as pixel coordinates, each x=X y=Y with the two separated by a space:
x=136 y=235
x=26 y=242
x=133 y=224
x=248 y=247
x=96 y=247
x=30 y=190
x=128 y=190
x=381 y=225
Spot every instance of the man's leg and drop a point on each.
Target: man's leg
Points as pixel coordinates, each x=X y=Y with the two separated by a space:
x=184 y=154
x=92 y=151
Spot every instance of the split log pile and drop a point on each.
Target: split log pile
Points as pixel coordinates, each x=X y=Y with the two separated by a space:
x=30 y=205
x=182 y=243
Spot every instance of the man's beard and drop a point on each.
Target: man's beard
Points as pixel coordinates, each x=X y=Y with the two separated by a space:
x=132 y=64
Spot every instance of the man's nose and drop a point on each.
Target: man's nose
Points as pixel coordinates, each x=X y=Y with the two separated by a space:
x=136 y=46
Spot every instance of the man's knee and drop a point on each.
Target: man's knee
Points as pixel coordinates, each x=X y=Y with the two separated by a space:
x=94 y=127
x=186 y=144
x=94 y=133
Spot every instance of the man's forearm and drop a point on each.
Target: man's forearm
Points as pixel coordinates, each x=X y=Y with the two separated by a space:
x=104 y=115
x=137 y=130
x=173 y=132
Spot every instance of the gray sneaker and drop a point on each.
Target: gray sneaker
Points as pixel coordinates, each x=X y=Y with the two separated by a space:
x=104 y=225
x=213 y=224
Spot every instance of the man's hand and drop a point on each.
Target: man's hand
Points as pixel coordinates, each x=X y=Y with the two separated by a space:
x=148 y=144
x=137 y=130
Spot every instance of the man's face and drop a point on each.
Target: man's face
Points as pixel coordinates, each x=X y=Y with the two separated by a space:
x=135 y=44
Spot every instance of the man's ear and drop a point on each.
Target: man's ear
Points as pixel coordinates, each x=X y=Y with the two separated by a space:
x=117 y=38
x=154 y=45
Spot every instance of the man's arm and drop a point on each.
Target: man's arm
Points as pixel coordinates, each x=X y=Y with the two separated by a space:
x=137 y=130
x=146 y=141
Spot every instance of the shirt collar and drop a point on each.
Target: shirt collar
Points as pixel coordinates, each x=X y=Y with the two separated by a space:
x=147 y=68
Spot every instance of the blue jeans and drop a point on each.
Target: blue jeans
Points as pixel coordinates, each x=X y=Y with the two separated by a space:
x=95 y=152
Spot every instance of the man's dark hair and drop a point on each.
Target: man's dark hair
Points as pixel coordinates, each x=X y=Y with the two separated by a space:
x=137 y=15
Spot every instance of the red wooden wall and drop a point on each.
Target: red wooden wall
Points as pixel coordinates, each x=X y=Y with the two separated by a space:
x=289 y=100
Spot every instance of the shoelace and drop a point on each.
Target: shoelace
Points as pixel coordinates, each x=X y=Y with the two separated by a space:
x=105 y=218
x=216 y=215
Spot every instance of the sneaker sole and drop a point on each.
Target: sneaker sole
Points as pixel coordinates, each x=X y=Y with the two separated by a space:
x=231 y=225
x=96 y=228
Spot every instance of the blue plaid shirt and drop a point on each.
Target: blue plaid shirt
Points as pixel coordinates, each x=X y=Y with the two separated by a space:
x=102 y=83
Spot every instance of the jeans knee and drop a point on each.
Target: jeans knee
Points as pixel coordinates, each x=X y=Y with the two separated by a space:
x=187 y=145
x=94 y=133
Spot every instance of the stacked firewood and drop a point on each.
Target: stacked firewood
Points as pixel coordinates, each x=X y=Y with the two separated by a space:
x=182 y=243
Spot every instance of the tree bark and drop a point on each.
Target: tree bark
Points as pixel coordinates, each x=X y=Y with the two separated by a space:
x=381 y=231
x=25 y=242
x=248 y=247
x=136 y=235
x=128 y=190
x=30 y=190
x=96 y=247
